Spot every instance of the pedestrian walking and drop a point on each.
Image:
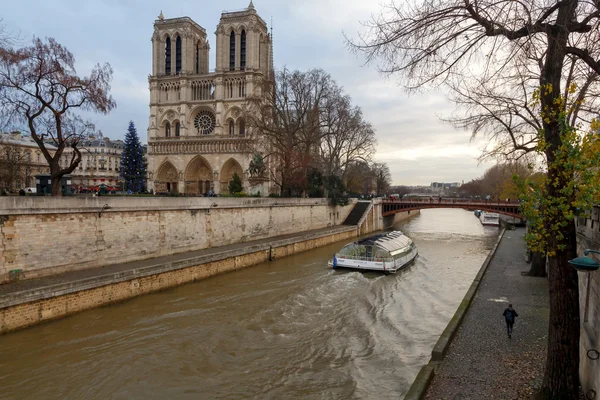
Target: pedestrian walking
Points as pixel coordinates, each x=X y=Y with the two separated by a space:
x=509 y=315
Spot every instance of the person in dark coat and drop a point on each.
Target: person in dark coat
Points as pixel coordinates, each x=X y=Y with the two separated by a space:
x=509 y=315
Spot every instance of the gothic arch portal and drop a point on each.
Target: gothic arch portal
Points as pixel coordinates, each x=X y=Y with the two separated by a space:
x=198 y=176
x=229 y=168
x=166 y=178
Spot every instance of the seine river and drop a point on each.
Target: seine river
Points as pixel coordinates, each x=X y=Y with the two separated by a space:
x=288 y=329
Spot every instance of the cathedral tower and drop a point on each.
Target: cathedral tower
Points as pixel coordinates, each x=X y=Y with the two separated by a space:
x=197 y=136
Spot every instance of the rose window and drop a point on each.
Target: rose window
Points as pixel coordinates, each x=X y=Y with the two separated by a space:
x=204 y=122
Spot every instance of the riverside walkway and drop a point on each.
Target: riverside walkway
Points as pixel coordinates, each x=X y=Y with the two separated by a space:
x=482 y=362
x=92 y=277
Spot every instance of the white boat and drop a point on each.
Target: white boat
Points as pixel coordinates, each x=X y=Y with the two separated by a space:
x=386 y=252
x=488 y=218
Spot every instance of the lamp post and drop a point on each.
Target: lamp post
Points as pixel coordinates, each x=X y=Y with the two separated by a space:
x=586 y=264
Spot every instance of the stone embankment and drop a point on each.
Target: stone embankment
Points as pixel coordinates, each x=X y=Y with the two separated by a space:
x=43 y=236
x=474 y=358
x=29 y=302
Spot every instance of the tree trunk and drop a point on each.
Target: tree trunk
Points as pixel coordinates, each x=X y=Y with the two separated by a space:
x=561 y=380
x=538 y=265
x=55 y=177
x=56 y=189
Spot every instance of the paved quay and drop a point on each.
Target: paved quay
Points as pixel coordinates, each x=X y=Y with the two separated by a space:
x=13 y=290
x=482 y=362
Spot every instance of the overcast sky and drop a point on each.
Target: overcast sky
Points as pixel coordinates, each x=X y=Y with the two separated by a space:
x=307 y=34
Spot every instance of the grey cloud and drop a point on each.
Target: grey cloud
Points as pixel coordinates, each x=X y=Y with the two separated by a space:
x=307 y=34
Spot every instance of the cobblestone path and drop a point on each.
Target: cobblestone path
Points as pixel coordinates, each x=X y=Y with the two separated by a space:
x=482 y=362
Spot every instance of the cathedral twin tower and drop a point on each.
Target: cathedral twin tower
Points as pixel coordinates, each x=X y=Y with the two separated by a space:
x=197 y=133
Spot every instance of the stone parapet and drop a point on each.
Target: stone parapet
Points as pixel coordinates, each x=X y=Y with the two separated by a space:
x=29 y=303
x=43 y=236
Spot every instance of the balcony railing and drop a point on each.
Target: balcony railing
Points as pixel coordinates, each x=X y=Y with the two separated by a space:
x=216 y=144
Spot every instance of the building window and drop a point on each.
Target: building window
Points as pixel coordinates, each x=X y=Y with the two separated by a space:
x=242 y=127
x=231 y=128
x=167 y=129
x=168 y=56
x=198 y=57
x=232 y=51
x=243 y=51
x=178 y=55
x=259 y=53
x=177 y=127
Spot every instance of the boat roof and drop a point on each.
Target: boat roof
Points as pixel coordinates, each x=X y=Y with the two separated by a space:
x=388 y=241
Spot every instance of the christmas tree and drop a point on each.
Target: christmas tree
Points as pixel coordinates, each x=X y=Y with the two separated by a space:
x=133 y=168
x=235 y=184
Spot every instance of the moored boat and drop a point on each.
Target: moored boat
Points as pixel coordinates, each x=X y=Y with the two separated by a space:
x=488 y=218
x=386 y=252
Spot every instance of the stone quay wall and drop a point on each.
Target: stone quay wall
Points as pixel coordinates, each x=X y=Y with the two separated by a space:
x=39 y=305
x=43 y=236
x=588 y=237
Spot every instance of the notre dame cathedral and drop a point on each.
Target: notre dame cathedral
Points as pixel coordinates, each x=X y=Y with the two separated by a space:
x=197 y=135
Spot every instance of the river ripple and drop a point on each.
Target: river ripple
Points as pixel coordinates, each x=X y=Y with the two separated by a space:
x=289 y=329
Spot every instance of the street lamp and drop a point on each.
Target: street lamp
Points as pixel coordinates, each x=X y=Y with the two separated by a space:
x=586 y=264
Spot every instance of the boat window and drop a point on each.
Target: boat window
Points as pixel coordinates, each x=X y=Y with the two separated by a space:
x=401 y=253
x=353 y=250
x=381 y=253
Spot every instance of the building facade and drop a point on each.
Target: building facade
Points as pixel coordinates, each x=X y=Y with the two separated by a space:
x=100 y=163
x=20 y=161
x=197 y=134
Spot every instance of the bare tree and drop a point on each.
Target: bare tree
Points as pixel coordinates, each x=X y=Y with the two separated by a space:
x=40 y=90
x=359 y=178
x=283 y=117
x=348 y=137
x=304 y=121
x=438 y=41
x=383 y=177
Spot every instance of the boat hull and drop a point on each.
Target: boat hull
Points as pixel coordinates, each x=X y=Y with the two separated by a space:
x=489 y=219
x=386 y=267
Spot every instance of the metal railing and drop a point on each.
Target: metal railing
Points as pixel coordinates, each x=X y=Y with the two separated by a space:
x=370 y=259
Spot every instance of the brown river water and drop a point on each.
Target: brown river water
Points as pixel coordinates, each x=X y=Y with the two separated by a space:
x=289 y=329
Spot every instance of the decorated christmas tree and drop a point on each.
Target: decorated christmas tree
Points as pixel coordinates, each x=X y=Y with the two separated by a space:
x=133 y=168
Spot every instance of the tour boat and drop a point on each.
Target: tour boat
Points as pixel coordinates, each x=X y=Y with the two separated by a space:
x=386 y=252
x=488 y=218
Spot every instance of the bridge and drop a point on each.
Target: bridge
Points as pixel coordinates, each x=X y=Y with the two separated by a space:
x=509 y=208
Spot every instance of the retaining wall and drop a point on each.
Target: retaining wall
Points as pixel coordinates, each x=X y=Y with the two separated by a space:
x=42 y=236
x=31 y=307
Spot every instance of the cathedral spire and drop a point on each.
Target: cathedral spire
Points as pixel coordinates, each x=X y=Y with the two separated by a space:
x=251 y=6
x=161 y=17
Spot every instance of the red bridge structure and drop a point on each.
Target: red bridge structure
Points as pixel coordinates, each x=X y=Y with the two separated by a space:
x=510 y=208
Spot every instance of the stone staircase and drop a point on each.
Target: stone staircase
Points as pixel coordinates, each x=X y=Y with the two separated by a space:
x=357 y=213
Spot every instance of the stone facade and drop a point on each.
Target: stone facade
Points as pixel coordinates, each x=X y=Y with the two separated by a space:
x=197 y=135
x=100 y=163
x=588 y=230
x=20 y=161
x=53 y=303
x=44 y=236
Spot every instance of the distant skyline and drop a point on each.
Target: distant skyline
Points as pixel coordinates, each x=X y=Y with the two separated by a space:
x=416 y=145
